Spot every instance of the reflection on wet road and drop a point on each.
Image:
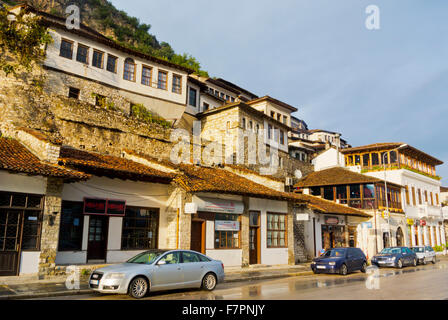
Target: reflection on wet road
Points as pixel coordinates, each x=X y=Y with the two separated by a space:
x=421 y=282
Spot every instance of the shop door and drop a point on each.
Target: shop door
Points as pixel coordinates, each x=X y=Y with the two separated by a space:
x=254 y=238
x=10 y=235
x=198 y=236
x=98 y=228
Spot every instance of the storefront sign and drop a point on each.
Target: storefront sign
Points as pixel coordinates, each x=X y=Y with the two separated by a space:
x=104 y=207
x=227 y=225
x=191 y=208
x=423 y=223
x=386 y=214
x=302 y=217
x=218 y=205
x=410 y=222
x=331 y=220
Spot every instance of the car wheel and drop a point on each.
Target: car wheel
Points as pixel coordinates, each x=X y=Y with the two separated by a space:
x=433 y=260
x=343 y=270
x=364 y=267
x=138 y=288
x=209 y=282
x=399 y=264
x=414 y=262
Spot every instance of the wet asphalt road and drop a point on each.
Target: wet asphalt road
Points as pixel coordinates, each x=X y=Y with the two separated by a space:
x=421 y=282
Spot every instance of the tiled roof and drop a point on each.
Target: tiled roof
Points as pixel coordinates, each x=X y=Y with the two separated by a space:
x=111 y=166
x=334 y=176
x=374 y=146
x=249 y=171
x=40 y=135
x=443 y=189
x=331 y=207
x=14 y=157
x=275 y=101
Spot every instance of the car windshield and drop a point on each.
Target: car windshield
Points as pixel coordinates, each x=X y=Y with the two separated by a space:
x=418 y=249
x=335 y=253
x=390 y=250
x=146 y=257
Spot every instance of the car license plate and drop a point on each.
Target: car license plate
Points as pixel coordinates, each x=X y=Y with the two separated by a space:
x=95 y=282
x=381 y=262
x=320 y=267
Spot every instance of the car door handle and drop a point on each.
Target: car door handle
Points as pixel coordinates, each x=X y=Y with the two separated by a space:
x=179 y=268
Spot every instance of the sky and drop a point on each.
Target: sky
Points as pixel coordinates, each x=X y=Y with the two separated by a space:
x=386 y=85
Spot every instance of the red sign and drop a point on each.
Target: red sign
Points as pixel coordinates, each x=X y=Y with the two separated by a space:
x=423 y=223
x=104 y=207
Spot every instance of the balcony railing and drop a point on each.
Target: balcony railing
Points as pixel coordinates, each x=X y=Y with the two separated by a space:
x=397 y=166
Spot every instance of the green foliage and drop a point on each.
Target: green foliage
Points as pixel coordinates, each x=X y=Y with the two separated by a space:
x=22 y=42
x=438 y=248
x=103 y=103
x=139 y=112
x=402 y=166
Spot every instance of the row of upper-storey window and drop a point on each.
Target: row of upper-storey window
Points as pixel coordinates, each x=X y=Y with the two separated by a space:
x=221 y=95
x=418 y=196
x=279 y=117
x=273 y=132
x=129 y=70
x=388 y=158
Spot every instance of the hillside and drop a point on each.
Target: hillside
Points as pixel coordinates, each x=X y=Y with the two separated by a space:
x=102 y=16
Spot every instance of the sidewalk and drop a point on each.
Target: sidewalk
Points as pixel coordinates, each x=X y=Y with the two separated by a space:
x=28 y=288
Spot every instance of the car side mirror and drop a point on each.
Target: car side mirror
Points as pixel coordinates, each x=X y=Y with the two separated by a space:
x=161 y=262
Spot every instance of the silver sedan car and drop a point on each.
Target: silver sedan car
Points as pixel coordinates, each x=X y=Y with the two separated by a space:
x=156 y=270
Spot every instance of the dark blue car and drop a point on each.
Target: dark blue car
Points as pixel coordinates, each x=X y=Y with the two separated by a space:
x=340 y=260
x=397 y=257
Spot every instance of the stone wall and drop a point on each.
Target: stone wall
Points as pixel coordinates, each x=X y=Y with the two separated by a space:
x=300 y=253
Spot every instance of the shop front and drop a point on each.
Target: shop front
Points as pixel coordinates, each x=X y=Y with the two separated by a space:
x=333 y=233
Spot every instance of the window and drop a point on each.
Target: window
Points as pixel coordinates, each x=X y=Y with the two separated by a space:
x=357 y=160
x=97 y=60
x=244 y=123
x=269 y=131
x=71 y=226
x=384 y=158
x=419 y=192
x=251 y=125
x=426 y=196
x=437 y=199
x=227 y=239
x=177 y=84
x=111 y=63
x=206 y=106
x=285 y=119
x=66 y=49
x=100 y=100
x=328 y=193
x=282 y=137
x=349 y=160
x=355 y=191
x=192 y=97
x=222 y=95
x=414 y=201
x=190 y=257
x=279 y=116
x=73 y=93
x=368 y=196
x=375 y=159
x=227 y=97
x=162 y=80
x=146 y=76
x=140 y=229
x=273 y=114
x=129 y=69
x=341 y=194
x=366 y=160
x=432 y=198
x=83 y=54
x=232 y=99
x=171 y=258
x=257 y=128
x=408 y=202
x=276 y=230
x=393 y=157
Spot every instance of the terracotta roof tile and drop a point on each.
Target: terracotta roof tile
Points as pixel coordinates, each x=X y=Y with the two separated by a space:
x=327 y=206
x=334 y=176
x=15 y=157
x=112 y=166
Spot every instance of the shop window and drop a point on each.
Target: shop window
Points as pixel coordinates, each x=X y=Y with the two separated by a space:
x=276 y=230
x=32 y=230
x=368 y=196
x=230 y=237
x=328 y=193
x=140 y=229
x=375 y=159
x=71 y=227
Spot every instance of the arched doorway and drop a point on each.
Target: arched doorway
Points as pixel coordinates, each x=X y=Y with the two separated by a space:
x=385 y=239
x=400 y=237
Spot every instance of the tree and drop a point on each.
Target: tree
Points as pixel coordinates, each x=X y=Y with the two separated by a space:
x=22 y=42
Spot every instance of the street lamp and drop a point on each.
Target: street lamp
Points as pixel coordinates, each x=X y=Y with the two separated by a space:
x=385 y=187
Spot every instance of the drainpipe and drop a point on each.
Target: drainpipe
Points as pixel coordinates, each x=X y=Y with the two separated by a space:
x=314 y=236
x=177 y=229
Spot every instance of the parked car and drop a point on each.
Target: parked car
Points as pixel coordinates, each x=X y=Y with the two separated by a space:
x=156 y=270
x=425 y=254
x=395 y=257
x=340 y=260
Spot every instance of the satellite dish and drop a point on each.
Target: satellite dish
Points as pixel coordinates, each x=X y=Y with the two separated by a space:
x=298 y=174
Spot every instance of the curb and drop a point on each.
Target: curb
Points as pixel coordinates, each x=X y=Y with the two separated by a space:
x=87 y=291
